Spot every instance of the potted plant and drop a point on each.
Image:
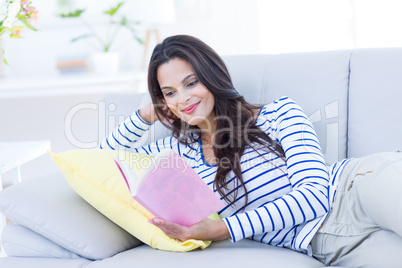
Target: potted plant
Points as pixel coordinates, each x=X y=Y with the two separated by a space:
x=15 y=15
x=106 y=61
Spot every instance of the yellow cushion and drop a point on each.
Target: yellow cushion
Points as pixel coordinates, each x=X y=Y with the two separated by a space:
x=95 y=177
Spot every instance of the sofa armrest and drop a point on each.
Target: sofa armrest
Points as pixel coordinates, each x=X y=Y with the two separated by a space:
x=19 y=241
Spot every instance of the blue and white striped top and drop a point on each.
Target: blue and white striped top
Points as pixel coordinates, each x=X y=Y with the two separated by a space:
x=287 y=200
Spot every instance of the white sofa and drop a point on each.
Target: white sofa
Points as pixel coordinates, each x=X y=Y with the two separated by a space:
x=352 y=96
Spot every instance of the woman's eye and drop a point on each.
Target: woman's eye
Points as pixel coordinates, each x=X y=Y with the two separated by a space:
x=192 y=83
x=168 y=94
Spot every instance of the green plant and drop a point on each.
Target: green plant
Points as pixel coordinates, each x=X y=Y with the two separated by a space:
x=115 y=24
x=16 y=15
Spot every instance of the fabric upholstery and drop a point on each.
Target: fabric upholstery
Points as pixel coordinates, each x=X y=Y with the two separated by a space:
x=375 y=113
x=19 y=241
x=49 y=207
x=317 y=81
x=15 y=262
x=245 y=253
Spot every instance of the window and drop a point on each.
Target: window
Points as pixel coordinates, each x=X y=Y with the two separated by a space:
x=316 y=25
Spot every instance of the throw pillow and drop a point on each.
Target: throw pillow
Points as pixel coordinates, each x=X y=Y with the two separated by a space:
x=93 y=174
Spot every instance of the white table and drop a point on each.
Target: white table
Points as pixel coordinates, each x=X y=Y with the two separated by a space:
x=15 y=154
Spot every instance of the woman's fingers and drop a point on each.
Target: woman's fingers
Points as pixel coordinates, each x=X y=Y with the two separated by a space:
x=206 y=229
x=169 y=115
x=171 y=229
x=149 y=113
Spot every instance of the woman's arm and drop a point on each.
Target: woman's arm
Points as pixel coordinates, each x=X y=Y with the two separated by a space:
x=128 y=133
x=307 y=173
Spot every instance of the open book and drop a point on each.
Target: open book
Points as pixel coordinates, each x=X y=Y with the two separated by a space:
x=171 y=190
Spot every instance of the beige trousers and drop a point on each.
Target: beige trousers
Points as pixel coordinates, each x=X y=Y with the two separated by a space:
x=364 y=225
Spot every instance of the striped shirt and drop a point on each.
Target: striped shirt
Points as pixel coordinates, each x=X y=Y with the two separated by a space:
x=287 y=199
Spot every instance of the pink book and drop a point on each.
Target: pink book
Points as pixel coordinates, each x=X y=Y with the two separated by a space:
x=171 y=190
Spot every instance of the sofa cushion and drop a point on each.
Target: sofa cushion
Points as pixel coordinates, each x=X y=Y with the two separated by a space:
x=49 y=207
x=375 y=95
x=244 y=253
x=19 y=241
x=94 y=175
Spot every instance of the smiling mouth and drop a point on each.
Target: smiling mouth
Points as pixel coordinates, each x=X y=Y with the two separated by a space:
x=190 y=109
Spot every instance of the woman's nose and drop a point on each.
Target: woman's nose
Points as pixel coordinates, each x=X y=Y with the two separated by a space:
x=184 y=97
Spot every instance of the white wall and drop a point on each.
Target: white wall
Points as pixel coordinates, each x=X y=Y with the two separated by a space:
x=317 y=25
x=308 y=25
x=378 y=23
x=229 y=26
x=29 y=119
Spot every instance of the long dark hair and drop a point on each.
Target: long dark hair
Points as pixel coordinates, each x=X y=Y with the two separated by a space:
x=211 y=71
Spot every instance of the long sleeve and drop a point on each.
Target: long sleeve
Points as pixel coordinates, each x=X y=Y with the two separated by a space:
x=128 y=133
x=307 y=199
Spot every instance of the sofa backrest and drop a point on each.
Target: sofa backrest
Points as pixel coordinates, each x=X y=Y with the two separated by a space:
x=116 y=108
x=317 y=81
x=353 y=97
x=375 y=97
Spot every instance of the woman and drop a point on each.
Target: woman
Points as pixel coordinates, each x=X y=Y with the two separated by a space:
x=265 y=162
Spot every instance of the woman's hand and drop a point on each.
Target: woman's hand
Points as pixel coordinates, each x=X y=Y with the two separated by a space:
x=148 y=113
x=207 y=229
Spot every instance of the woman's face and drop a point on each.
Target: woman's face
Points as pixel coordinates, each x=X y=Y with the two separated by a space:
x=185 y=96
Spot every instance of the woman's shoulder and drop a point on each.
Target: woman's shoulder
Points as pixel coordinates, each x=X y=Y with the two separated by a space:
x=275 y=105
x=284 y=100
x=281 y=105
x=183 y=146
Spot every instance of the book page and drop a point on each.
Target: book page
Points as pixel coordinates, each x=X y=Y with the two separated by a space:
x=173 y=191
